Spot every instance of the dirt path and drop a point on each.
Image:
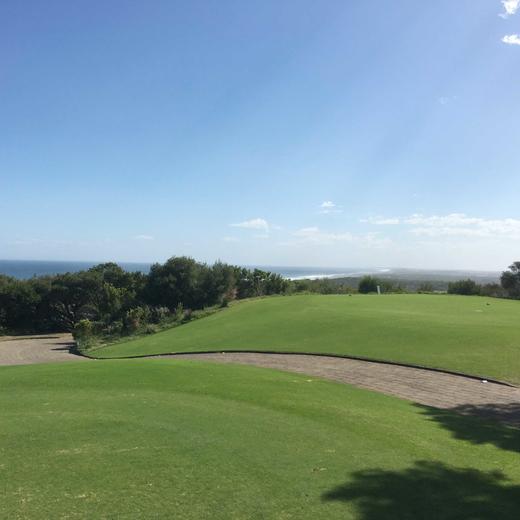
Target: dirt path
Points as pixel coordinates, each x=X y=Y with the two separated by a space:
x=446 y=391
x=45 y=348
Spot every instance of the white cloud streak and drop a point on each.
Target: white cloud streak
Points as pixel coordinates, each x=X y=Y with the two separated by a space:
x=459 y=224
x=327 y=204
x=511 y=39
x=143 y=237
x=327 y=207
x=377 y=221
x=255 y=223
x=314 y=235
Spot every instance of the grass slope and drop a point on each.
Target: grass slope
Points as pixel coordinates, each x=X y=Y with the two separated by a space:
x=179 y=439
x=469 y=334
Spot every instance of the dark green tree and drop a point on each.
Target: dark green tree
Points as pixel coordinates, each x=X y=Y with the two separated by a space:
x=510 y=280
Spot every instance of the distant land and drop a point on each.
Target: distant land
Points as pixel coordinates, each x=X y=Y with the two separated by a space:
x=24 y=269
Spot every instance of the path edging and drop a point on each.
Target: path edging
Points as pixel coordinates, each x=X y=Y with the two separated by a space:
x=292 y=353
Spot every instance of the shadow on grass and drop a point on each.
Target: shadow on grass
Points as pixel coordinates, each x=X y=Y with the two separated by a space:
x=478 y=424
x=430 y=491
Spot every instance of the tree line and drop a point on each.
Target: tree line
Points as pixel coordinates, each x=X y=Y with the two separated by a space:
x=509 y=286
x=109 y=300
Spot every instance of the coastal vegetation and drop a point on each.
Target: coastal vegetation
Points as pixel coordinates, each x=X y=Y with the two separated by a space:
x=109 y=301
x=105 y=302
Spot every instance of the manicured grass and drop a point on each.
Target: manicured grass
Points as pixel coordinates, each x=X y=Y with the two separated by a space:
x=476 y=335
x=179 y=439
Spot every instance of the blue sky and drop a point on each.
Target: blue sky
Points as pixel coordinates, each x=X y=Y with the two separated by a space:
x=286 y=133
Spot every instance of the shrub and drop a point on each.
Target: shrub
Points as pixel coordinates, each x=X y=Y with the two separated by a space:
x=83 y=332
x=136 y=318
x=493 y=290
x=425 y=287
x=465 y=287
x=115 y=328
x=151 y=329
x=179 y=312
x=368 y=284
x=159 y=314
x=510 y=281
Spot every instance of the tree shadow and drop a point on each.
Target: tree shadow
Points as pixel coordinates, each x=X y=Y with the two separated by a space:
x=480 y=424
x=430 y=491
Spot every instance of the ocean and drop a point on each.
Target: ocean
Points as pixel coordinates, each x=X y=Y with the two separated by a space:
x=24 y=269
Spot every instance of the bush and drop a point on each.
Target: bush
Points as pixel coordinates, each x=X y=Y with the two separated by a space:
x=425 y=287
x=179 y=312
x=83 y=333
x=465 y=287
x=368 y=284
x=115 y=328
x=494 y=290
x=136 y=318
x=151 y=329
x=159 y=314
x=510 y=281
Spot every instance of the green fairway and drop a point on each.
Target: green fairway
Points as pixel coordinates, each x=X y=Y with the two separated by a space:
x=172 y=439
x=476 y=335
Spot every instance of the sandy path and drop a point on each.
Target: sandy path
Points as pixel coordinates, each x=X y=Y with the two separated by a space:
x=43 y=348
x=446 y=391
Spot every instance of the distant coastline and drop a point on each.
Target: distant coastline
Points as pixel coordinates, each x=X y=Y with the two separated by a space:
x=24 y=269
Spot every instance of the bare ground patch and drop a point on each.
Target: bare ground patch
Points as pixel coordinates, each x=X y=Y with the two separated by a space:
x=41 y=348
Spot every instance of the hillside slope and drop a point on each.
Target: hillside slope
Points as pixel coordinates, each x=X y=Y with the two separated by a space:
x=469 y=334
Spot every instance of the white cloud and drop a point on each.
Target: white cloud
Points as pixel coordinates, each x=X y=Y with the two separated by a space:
x=328 y=204
x=510 y=7
x=327 y=207
x=143 y=237
x=230 y=239
x=255 y=223
x=459 y=224
x=381 y=221
x=511 y=39
x=315 y=235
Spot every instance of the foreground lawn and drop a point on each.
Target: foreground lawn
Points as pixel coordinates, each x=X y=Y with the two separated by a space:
x=179 y=439
x=476 y=335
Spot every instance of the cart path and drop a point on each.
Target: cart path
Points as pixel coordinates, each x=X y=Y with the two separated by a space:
x=38 y=348
x=457 y=393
